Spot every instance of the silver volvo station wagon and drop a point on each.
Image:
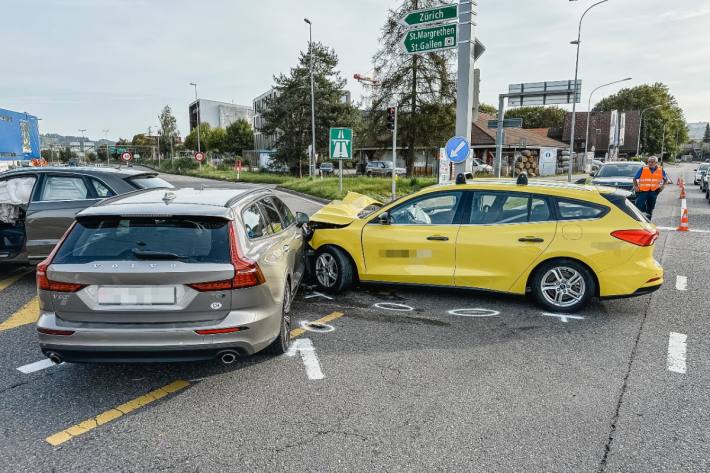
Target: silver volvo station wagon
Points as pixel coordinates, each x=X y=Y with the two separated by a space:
x=172 y=275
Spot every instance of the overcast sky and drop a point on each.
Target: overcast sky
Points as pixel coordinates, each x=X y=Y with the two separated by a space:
x=113 y=64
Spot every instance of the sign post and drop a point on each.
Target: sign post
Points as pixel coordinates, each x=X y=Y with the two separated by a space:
x=238 y=166
x=126 y=157
x=465 y=75
x=341 y=147
x=199 y=157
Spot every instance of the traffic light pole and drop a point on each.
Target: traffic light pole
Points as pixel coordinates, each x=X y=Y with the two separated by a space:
x=394 y=156
x=465 y=76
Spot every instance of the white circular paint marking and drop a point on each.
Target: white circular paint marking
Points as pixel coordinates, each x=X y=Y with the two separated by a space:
x=477 y=312
x=316 y=327
x=394 y=306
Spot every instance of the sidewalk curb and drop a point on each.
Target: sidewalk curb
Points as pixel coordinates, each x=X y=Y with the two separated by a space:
x=303 y=195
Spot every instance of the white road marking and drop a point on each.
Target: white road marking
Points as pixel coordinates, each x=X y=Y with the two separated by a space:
x=36 y=366
x=681 y=283
x=394 y=306
x=676 y=352
x=308 y=355
x=478 y=312
x=563 y=317
x=311 y=295
x=674 y=229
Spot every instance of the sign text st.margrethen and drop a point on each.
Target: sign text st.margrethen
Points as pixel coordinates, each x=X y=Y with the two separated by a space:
x=428 y=39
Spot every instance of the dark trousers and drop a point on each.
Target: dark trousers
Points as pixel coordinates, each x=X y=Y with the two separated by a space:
x=646 y=202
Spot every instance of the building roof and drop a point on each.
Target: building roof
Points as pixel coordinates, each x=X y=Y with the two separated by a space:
x=482 y=135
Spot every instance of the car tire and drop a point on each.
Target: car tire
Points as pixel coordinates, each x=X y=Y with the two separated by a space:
x=334 y=271
x=283 y=340
x=563 y=285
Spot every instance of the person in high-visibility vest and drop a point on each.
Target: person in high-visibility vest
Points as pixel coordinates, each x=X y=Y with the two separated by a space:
x=648 y=183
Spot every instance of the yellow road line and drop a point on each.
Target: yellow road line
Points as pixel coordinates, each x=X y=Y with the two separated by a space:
x=113 y=414
x=16 y=276
x=27 y=314
x=297 y=332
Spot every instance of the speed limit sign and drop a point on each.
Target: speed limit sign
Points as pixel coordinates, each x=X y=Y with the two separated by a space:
x=126 y=157
x=200 y=156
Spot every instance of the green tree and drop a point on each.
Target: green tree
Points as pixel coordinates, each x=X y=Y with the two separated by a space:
x=240 y=137
x=667 y=116
x=191 y=139
x=217 y=140
x=423 y=87
x=289 y=117
x=706 y=138
x=539 y=117
x=67 y=154
x=168 y=129
x=488 y=109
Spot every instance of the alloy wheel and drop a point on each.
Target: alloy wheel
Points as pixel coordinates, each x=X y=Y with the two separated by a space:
x=563 y=286
x=326 y=270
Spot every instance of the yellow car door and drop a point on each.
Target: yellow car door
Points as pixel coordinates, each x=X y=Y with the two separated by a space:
x=504 y=234
x=415 y=242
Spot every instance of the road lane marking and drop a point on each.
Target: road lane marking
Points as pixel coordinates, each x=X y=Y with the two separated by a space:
x=16 y=276
x=113 y=414
x=676 y=352
x=394 y=306
x=478 y=312
x=563 y=317
x=37 y=366
x=692 y=230
x=305 y=347
x=297 y=332
x=311 y=295
x=681 y=283
x=27 y=314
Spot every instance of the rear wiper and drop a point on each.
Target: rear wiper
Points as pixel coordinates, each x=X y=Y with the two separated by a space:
x=147 y=254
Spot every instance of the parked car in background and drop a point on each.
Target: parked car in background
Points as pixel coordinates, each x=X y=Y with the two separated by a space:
x=38 y=204
x=481 y=167
x=700 y=172
x=326 y=168
x=166 y=275
x=382 y=168
x=618 y=174
x=561 y=243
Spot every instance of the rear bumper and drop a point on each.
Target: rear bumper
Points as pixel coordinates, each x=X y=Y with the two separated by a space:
x=634 y=278
x=639 y=292
x=153 y=342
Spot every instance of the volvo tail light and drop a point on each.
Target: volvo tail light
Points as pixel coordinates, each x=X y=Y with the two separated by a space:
x=637 y=237
x=43 y=281
x=246 y=272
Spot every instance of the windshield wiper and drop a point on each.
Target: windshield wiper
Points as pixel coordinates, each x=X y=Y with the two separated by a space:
x=147 y=254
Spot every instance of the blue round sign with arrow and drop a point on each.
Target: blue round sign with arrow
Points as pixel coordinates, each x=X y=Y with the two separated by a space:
x=458 y=149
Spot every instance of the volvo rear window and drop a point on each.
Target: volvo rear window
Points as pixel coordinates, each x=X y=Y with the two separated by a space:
x=184 y=239
x=148 y=181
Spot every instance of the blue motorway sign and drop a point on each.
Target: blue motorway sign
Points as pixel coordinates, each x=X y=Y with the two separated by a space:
x=458 y=149
x=19 y=136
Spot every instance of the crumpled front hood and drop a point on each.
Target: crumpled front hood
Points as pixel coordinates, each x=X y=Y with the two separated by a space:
x=343 y=212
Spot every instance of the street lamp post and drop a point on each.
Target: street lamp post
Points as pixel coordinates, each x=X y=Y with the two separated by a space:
x=574 y=99
x=312 y=157
x=81 y=146
x=197 y=104
x=638 y=140
x=589 y=106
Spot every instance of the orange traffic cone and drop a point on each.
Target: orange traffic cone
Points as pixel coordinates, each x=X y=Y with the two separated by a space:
x=683 y=217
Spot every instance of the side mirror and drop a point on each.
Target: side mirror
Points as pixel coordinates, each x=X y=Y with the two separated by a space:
x=592 y=174
x=695 y=169
x=384 y=218
x=581 y=181
x=301 y=219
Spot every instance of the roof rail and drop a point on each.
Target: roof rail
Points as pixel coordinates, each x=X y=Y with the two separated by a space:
x=114 y=198
x=247 y=192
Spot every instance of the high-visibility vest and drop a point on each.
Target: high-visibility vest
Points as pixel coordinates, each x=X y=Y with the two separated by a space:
x=651 y=180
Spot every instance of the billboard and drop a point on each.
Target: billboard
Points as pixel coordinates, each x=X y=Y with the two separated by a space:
x=613 y=129
x=19 y=136
x=622 y=130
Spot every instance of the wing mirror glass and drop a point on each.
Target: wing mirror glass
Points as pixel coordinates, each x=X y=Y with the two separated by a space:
x=592 y=174
x=301 y=219
x=384 y=218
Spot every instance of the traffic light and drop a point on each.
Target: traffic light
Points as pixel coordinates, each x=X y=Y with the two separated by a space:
x=391 y=117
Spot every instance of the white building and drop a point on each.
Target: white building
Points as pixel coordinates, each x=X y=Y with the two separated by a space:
x=219 y=114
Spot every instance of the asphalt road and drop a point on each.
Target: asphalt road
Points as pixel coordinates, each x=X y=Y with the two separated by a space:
x=425 y=388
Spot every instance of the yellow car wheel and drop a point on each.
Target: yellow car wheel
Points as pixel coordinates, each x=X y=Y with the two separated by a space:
x=563 y=285
x=334 y=270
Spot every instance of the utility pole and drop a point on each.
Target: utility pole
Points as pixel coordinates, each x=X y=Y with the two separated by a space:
x=465 y=76
x=107 y=155
x=312 y=157
x=394 y=157
x=197 y=104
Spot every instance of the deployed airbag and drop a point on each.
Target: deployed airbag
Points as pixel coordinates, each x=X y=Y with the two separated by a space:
x=14 y=194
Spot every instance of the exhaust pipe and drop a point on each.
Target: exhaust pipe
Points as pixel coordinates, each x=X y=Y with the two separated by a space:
x=227 y=357
x=55 y=358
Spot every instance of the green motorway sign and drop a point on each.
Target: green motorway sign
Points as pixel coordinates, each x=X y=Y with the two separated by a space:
x=430 y=15
x=341 y=143
x=430 y=39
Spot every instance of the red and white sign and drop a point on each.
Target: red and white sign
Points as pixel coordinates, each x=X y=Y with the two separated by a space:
x=200 y=157
x=239 y=165
x=126 y=157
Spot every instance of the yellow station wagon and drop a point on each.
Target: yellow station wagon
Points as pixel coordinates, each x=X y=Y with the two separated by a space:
x=559 y=242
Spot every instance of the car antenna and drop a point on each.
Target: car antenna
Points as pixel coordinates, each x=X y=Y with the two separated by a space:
x=522 y=179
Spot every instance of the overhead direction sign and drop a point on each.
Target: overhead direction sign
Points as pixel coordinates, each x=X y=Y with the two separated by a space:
x=544 y=93
x=457 y=149
x=507 y=123
x=431 y=15
x=435 y=38
x=341 y=143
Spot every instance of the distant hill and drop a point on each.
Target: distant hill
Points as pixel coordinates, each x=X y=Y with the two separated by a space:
x=62 y=140
x=696 y=131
